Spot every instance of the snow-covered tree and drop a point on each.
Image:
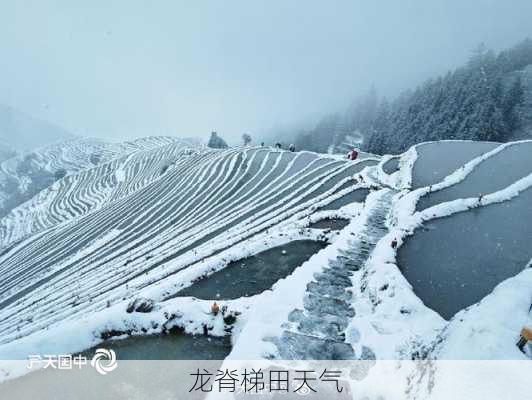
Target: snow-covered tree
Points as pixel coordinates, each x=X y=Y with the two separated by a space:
x=483 y=100
x=216 y=142
x=246 y=138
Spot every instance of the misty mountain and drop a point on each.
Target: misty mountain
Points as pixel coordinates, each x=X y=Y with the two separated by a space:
x=6 y=151
x=20 y=131
x=34 y=173
x=488 y=99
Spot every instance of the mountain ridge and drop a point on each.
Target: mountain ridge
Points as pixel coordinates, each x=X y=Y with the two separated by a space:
x=22 y=131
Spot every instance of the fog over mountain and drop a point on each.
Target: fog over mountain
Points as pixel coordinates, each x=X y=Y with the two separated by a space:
x=20 y=131
x=124 y=70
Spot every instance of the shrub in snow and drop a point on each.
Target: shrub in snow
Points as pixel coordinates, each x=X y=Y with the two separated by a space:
x=141 y=305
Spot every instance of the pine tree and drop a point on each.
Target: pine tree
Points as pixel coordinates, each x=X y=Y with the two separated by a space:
x=511 y=105
x=474 y=102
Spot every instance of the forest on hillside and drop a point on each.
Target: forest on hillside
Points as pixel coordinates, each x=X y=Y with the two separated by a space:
x=482 y=100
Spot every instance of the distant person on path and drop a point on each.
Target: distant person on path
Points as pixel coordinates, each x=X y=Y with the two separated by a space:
x=525 y=337
x=352 y=155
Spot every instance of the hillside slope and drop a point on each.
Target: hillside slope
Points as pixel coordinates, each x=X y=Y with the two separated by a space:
x=61 y=181
x=6 y=151
x=169 y=226
x=141 y=235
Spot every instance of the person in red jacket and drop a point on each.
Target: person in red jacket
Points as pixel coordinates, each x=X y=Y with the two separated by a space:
x=352 y=155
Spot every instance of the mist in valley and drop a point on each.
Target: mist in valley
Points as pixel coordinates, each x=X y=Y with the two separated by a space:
x=123 y=70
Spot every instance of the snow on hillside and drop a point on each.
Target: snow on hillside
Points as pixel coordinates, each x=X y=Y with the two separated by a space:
x=202 y=204
x=147 y=225
x=74 y=177
x=26 y=174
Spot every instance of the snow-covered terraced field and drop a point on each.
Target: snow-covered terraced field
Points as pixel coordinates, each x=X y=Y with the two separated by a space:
x=27 y=174
x=109 y=232
x=99 y=174
x=353 y=302
x=157 y=220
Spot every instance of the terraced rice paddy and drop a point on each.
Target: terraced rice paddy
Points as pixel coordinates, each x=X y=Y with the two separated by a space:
x=176 y=226
x=127 y=225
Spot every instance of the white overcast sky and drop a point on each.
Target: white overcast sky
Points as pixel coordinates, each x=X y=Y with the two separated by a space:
x=124 y=69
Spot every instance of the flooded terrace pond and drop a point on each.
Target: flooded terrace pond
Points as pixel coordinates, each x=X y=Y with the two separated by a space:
x=392 y=165
x=436 y=160
x=254 y=274
x=330 y=223
x=148 y=367
x=455 y=261
x=356 y=196
x=172 y=346
x=514 y=160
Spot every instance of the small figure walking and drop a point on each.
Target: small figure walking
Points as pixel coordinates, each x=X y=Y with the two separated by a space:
x=352 y=155
x=394 y=244
x=215 y=309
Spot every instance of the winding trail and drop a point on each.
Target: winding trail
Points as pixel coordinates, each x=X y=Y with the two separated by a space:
x=318 y=331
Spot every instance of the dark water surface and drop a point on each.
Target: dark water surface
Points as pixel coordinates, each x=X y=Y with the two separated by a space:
x=454 y=262
x=254 y=274
x=437 y=160
x=172 y=346
x=330 y=223
x=356 y=196
x=391 y=166
x=493 y=174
